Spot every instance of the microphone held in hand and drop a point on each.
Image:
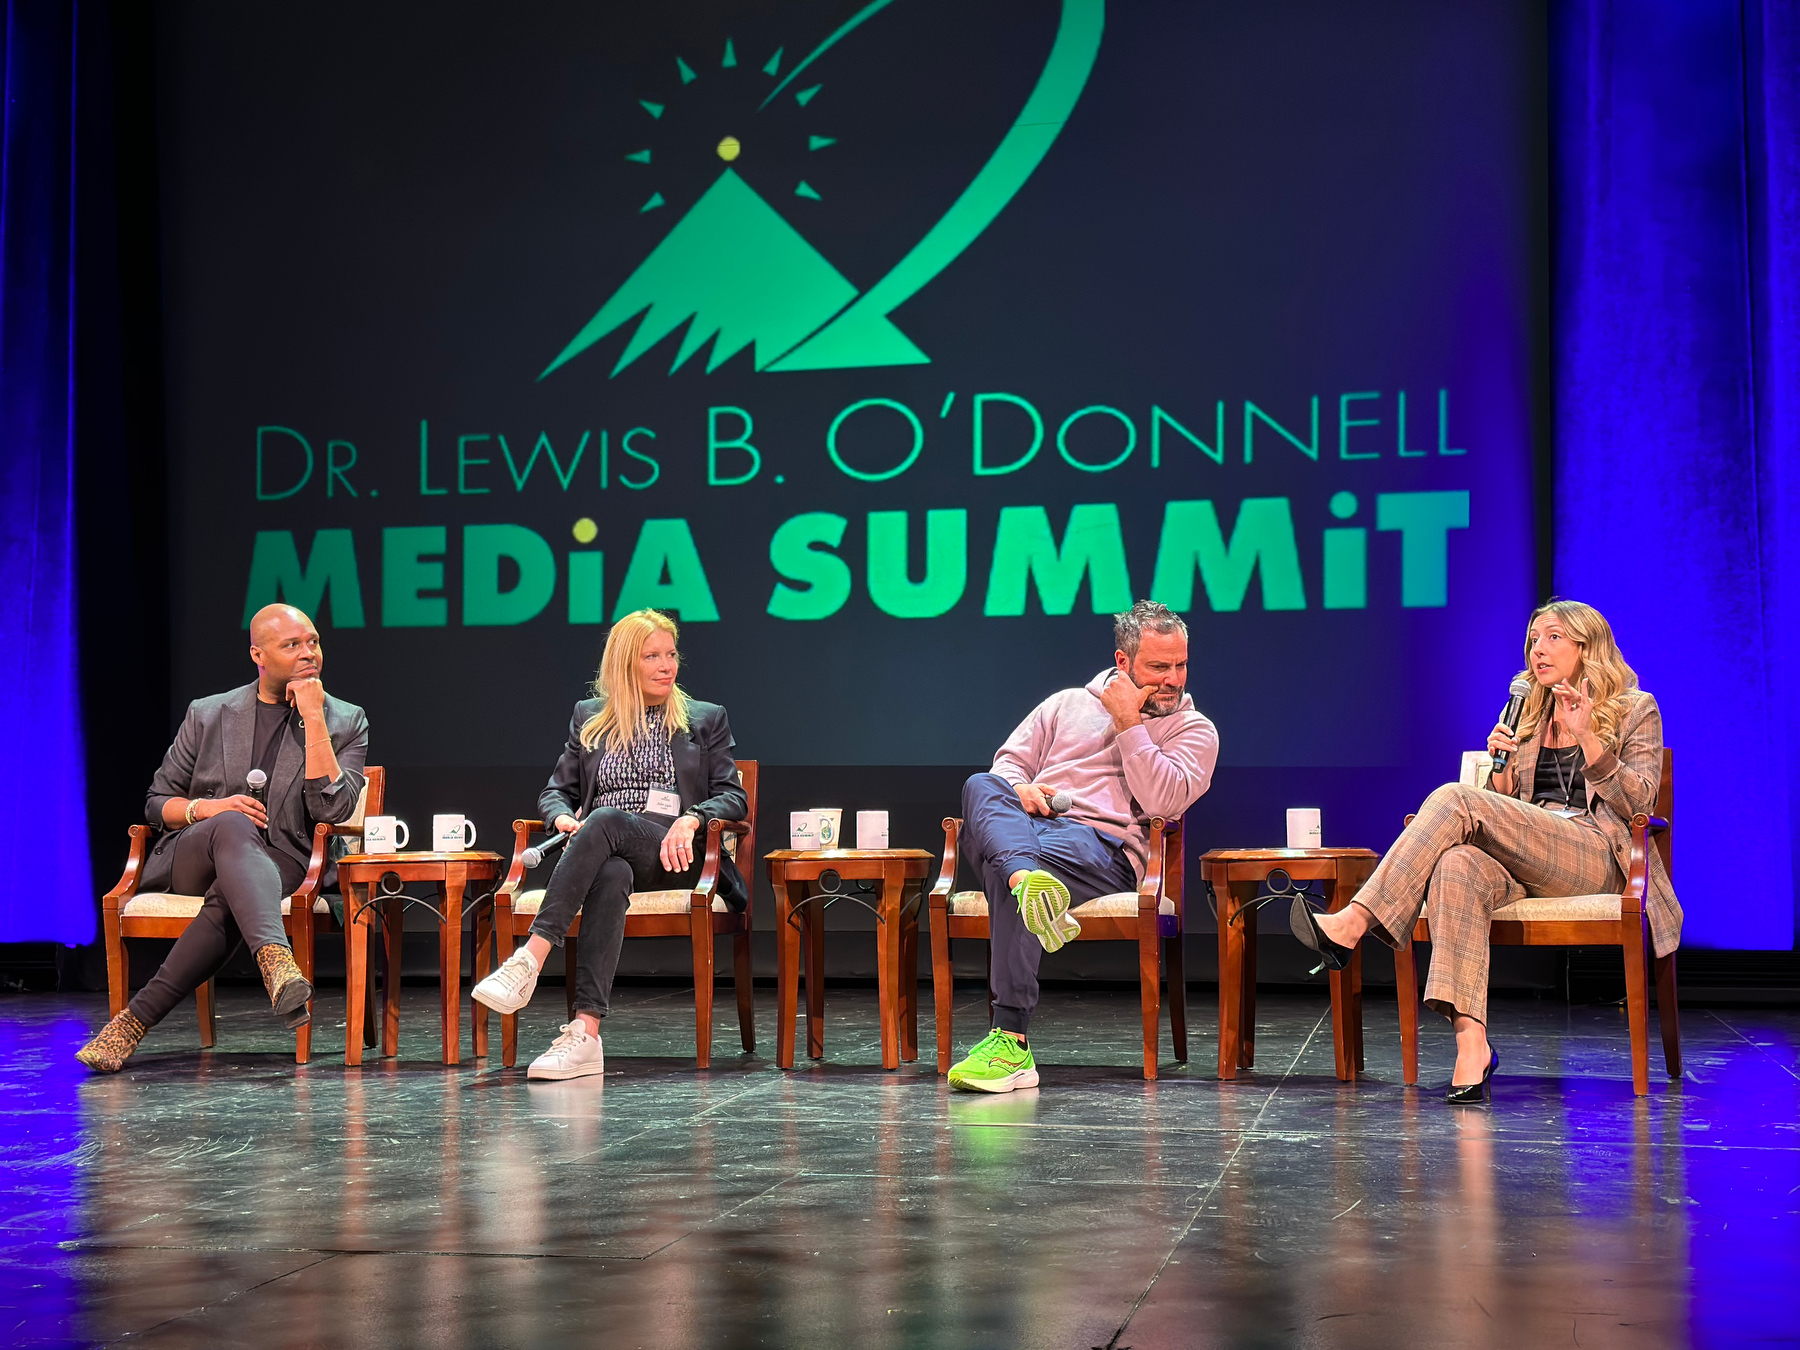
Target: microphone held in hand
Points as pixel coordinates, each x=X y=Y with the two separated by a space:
x=1060 y=803
x=535 y=855
x=1515 y=705
x=258 y=783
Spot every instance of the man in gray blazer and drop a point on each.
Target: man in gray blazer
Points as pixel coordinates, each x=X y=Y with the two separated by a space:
x=219 y=841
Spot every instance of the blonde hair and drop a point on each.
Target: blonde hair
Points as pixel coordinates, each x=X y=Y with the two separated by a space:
x=1601 y=666
x=622 y=717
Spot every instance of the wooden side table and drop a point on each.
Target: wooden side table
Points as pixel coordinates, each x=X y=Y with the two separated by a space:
x=368 y=894
x=1235 y=875
x=800 y=912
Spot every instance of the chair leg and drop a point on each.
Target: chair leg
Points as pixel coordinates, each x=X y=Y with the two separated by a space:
x=503 y=948
x=203 y=999
x=1406 y=994
x=1637 y=1003
x=1149 y=987
x=1175 y=964
x=300 y=937
x=909 y=988
x=700 y=929
x=1669 y=1012
x=118 y=968
x=571 y=956
x=745 y=979
x=943 y=984
x=988 y=975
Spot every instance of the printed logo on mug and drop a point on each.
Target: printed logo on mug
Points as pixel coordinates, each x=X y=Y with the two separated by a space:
x=384 y=834
x=871 y=829
x=831 y=826
x=803 y=830
x=452 y=834
x=1303 y=827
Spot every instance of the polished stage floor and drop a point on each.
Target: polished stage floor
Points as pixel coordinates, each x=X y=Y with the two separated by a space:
x=229 y=1198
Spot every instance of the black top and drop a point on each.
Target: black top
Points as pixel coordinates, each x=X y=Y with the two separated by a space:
x=1559 y=782
x=270 y=719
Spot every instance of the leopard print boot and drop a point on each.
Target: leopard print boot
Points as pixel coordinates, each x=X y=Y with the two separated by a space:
x=289 y=991
x=109 y=1050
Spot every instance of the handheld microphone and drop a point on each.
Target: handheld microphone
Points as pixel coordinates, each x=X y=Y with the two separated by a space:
x=258 y=783
x=1515 y=705
x=535 y=855
x=1060 y=804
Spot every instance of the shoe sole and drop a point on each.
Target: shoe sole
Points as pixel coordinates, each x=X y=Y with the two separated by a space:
x=502 y=1006
x=291 y=1001
x=557 y=1075
x=1304 y=926
x=1024 y=1078
x=1043 y=906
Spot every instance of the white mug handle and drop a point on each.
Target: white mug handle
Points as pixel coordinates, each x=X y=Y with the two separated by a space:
x=402 y=835
x=469 y=826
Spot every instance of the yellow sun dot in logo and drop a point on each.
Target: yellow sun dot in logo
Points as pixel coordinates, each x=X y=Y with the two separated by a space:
x=586 y=531
x=729 y=149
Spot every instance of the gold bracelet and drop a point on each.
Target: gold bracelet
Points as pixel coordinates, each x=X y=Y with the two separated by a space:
x=193 y=802
x=323 y=740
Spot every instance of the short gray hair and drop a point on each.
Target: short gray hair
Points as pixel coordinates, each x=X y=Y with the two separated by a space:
x=1145 y=616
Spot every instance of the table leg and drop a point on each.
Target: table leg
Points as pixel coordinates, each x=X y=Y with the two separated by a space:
x=393 y=938
x=1231 y=972
x=356 y=968
x=787 y=967
x=909 y=982
x=887 y=965
x=814 y=932
x=450 y=892
x=1344 y=1007
x=1247 y=1005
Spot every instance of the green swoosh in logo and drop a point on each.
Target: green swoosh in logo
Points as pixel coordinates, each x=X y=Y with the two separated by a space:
x=738 y=274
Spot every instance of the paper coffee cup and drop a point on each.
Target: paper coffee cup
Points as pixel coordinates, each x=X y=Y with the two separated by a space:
x=1303 y=827
x=871 y=829
x=830 y=825
x=803 y=830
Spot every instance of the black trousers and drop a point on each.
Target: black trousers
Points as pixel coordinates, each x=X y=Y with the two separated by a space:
x=613 y=854
x=225 y=859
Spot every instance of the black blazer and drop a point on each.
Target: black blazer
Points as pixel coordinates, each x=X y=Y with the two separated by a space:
x=705 y=774
x=211 y=756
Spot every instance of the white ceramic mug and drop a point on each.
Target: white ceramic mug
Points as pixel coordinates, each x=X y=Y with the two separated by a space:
x=1303 y=827
x=803 y=830
x=452 y=834
x=384 y=834
x=831 y=826
x=871 y=829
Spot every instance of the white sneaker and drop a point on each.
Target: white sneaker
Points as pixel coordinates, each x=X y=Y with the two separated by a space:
x=571 y=1055
x=509 y=988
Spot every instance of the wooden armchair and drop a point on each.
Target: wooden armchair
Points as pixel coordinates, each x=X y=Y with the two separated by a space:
x=700 y=915
x=1154 y=911
x=1584 y=921
x=127 y=912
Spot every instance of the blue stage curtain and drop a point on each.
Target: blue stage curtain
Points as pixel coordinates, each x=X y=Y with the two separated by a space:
x=49 y=894
x=1675 y=349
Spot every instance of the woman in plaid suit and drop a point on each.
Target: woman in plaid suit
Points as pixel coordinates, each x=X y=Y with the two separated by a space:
x=1555 y=822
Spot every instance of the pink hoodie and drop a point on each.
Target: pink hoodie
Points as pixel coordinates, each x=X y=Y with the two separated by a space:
x=1118 y=780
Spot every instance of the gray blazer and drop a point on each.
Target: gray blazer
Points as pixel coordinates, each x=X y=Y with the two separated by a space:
x=211 y=756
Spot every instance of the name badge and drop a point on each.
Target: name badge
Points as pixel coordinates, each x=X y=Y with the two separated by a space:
x=1566 y=813
x=662 y=802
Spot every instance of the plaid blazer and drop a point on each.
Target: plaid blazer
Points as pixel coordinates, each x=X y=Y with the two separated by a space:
x=1618 y=786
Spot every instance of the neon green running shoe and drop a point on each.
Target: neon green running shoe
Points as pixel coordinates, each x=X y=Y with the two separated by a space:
x=1001 y=1063
x=1044 y=904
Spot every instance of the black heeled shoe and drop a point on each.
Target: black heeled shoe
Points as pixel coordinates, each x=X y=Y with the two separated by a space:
x=1475 y=1094
x=1306 y=928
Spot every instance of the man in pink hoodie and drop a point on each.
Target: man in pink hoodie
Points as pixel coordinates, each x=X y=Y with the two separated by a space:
x=1128 y=746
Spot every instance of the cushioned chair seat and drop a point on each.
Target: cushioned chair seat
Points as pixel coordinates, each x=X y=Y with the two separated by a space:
x=642 y=902
x=1557 y=909
x=163 y=905
x=1122 y=905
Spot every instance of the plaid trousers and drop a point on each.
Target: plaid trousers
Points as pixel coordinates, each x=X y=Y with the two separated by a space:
x=1466 y=852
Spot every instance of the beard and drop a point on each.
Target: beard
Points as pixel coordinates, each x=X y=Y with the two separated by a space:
x=1156 y=707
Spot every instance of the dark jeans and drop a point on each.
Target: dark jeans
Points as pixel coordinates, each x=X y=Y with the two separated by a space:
x=1000 y=837
x=613 y=854
x=225 y=859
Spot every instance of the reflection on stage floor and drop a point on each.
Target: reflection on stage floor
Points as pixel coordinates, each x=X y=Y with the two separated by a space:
x=228 y=1197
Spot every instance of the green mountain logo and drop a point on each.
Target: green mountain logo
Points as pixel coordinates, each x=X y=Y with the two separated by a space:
x=739 y=274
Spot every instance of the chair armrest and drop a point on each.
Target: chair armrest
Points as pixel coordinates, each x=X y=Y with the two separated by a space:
x=1409 y=818
x=1637 y=877
x=515 y=874
x=308 y=890
x=946 y=881
x=715 y=855
x=1150 y=888
x=134 y=864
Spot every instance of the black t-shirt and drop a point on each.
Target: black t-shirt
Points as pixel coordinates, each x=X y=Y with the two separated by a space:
x=271 y=719
x=1559 y=779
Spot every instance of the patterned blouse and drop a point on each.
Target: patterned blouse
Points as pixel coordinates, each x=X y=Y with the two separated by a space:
x=624 y=778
